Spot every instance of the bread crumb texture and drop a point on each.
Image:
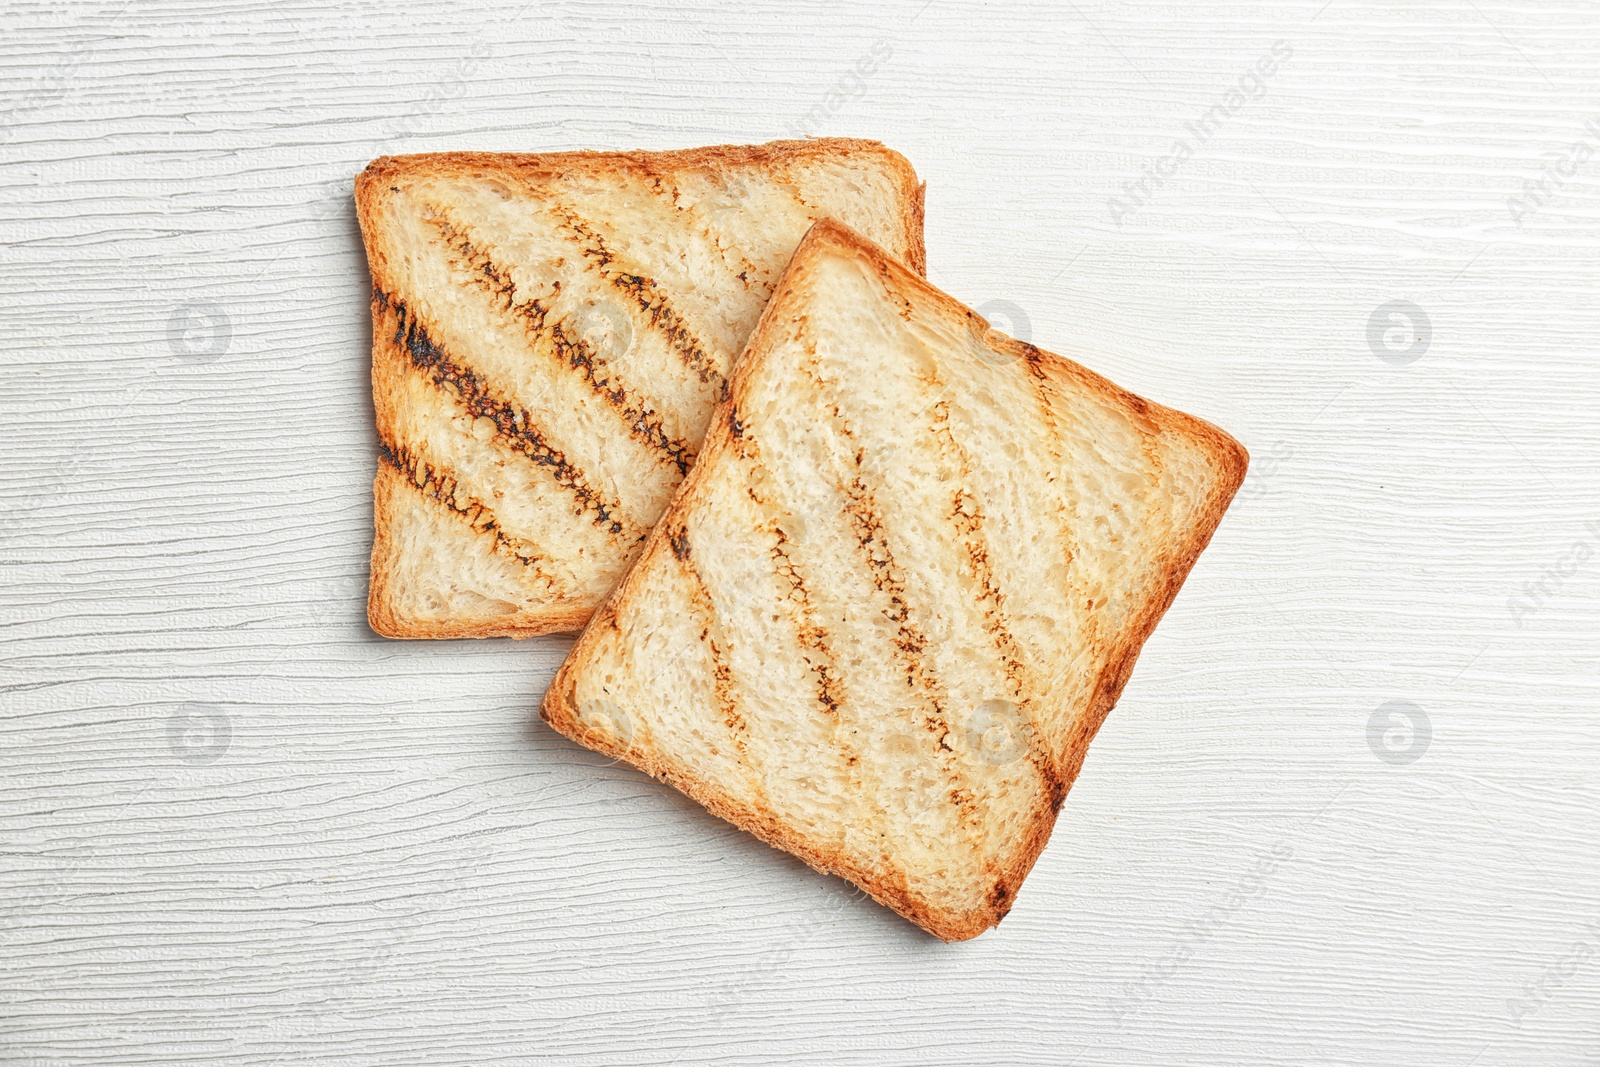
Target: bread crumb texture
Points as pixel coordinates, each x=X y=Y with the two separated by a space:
x=550 y=335
x=900 y=590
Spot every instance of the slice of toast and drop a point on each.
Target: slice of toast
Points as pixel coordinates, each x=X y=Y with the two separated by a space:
x=903 y=585
x=549 y=336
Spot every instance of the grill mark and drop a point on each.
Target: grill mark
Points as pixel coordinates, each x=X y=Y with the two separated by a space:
x=815 y=642
x=444 y=488
x=678 y=540
x=744 y=447
x=650 y=299
x=1040 y=383
x=712 y=637
x=744 y=270
x=513 y=425
x=812 y=637
x=495 y=279
x=967 y=516
x=861 y=511
x=1088 y=627
x=866 y=520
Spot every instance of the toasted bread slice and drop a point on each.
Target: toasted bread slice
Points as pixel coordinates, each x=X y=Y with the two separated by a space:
x=550 y=333
x=900 y=590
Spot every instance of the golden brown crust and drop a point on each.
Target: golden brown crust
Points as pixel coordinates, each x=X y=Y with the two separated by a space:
x=557 y=710
x=370 y=187
x=385 y=622
x=534 y=165
x=1230 y=460
x=554 y=617
x=917 y=258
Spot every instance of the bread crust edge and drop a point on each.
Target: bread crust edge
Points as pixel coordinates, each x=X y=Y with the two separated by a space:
x=386 y=621
x=1230 y=461
x=382 y=616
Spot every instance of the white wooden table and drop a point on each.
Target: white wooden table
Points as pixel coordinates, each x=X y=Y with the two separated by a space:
x=1345 y=814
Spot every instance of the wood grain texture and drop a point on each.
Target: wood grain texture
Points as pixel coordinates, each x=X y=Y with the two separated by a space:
x=237 y=828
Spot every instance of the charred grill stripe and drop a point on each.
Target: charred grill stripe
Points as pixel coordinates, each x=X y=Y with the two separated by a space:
x=643 y=424
x=650 y=299
x=1039 y=382
x=815 y=643
x=967 y=516
x=817 y=649
x=442 y=487
x=866 y=520
x=861 y=509
x=512 y=424
x=744 y=270
x=744 y=446
x=711 y=633
x=812 y=636
x=678 y=541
